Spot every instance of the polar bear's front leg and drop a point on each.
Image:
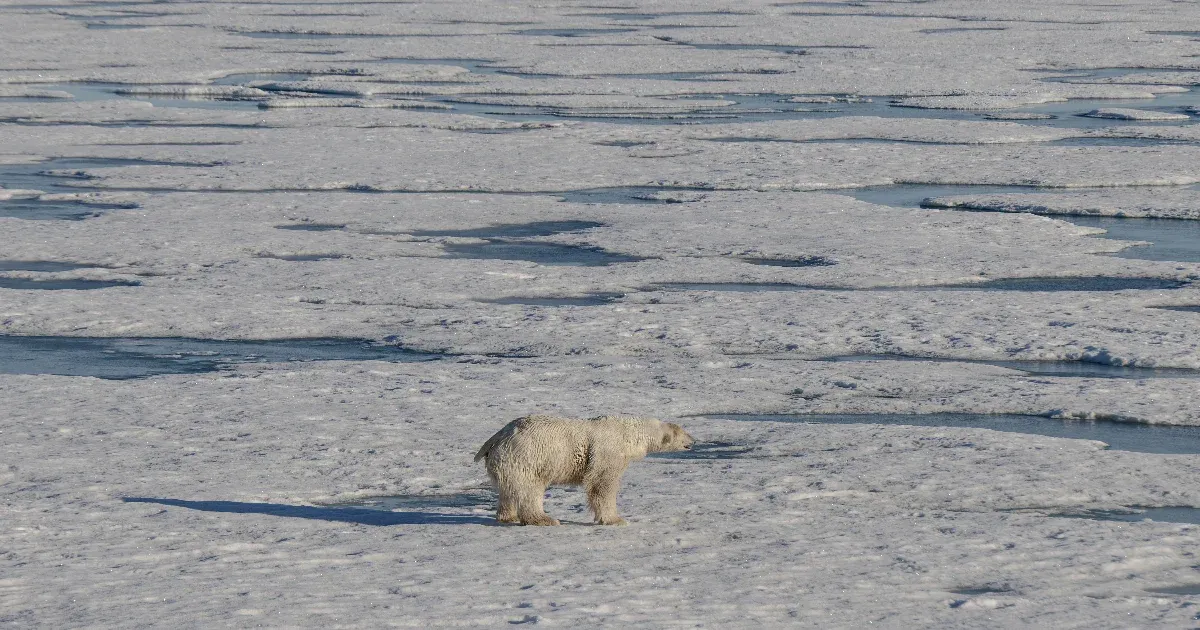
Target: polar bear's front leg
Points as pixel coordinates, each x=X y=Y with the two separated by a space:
x=602 y=485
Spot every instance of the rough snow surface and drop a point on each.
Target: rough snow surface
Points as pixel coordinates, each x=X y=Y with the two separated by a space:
x=584 y=210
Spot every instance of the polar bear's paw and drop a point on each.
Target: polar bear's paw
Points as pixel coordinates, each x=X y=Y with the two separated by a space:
x=544 y=520
x=616 y=520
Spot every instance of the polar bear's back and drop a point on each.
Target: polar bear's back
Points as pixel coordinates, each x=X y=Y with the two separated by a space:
x=536 y=435
x=545 y=447
x=544 y=431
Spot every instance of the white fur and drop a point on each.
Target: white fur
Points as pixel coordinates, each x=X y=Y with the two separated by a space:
x=532 y=453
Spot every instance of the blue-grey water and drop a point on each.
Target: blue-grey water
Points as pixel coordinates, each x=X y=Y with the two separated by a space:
x=1085 y=283
x=56 y=284
x=38 y=210
x=69 y=174
x=537 y=252
x=512 y=230
x=1171 y=239
x=742 y=107
x=1083 y=369
x=305 y=257
x=1124 y=436
x=591 y=299
x=1139 y=514
x=137 y=357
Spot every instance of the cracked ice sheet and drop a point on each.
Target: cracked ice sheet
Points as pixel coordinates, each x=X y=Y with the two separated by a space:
x=871 y=531
x=195 y=267
x=565 y=159
x=55 y=47
x=695 y=241
x=112 y=121
x=816 y=523
x=62 y=124
x=989 y=326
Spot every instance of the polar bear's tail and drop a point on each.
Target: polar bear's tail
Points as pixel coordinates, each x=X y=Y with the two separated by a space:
x=494 y=441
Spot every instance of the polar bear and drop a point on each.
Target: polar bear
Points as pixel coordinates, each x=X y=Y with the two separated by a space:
x=532 y=453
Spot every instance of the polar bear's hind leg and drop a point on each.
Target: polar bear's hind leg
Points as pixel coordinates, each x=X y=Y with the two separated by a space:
x=508 y=505
x=530 y=509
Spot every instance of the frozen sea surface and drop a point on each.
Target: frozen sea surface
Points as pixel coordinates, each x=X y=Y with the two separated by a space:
x=304 y=191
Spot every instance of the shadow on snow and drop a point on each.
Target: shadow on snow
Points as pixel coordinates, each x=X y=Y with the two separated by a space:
x=361 y=516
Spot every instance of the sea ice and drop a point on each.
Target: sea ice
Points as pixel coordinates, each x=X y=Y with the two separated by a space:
x=415 y=177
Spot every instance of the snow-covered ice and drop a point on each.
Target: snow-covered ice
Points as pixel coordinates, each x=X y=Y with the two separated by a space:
x=271 y=203
x=1118 y=113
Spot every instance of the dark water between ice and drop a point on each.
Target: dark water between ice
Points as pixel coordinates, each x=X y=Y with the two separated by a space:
x=1045 y=368
x=27 y=284
x=137 y=357
x=45 y=266
x=1086 y=283
x=770 y=107
x=799 y=261
x=1098 y=75
x=513 y=230
x=1171 y=239
x=317 y=35
x=538 y=252
x=1183 y=589
x=572 y=32
x=1123 y=436
x=305 y=257
x=1139 y=514
x=69 y=174
x=48 y=266
x=741 y=107
x=591 y=299
x=84 y=91
x=916 y=195
x=38 y=210
x=1077 y=141
x=627 y=195
x=313 y=227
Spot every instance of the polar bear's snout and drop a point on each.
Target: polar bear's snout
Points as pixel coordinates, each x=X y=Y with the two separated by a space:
x=675 y=438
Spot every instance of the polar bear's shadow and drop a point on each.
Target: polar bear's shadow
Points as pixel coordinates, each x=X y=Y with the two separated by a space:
x=707 y=450
x=344 y=513
x=568 y=497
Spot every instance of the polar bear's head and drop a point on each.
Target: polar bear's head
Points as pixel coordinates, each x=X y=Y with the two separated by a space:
x=672 y=438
